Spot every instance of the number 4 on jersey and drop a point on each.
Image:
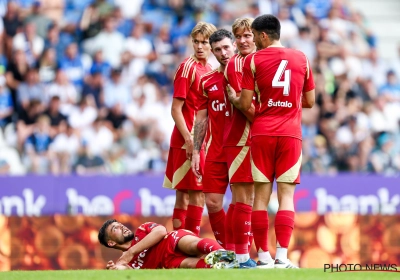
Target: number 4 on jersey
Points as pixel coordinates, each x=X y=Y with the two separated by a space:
x=277 y=83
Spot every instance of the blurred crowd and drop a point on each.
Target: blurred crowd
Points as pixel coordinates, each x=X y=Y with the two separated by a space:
x=86 y=85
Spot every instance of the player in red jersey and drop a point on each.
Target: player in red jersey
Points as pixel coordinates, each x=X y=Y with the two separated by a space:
x=211 y=118
x=189 y=202
x=283 y=82
x=152 y=247
x=237 y=151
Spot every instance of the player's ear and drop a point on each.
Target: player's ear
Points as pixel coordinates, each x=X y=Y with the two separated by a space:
x=111 y=243
x=234 y=46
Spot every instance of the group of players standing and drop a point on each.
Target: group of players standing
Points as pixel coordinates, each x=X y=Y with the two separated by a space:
x=239 y=125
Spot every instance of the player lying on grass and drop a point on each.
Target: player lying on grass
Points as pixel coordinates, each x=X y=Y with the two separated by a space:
x=152 y=247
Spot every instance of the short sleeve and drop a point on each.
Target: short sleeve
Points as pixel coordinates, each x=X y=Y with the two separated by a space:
x=234 y=75
x=202 y=96
x=182 y=80
x=148 y=227
x=249 y=70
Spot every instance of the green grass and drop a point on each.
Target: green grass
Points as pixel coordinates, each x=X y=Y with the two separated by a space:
x=203 y=274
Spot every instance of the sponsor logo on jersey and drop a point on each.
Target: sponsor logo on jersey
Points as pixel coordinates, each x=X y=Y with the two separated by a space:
x=217 y=106
x=272 y=103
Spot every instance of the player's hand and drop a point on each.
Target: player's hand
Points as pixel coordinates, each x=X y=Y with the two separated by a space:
x=110 y=265
x=125 y=258
x=189 y=147
x=196 y=164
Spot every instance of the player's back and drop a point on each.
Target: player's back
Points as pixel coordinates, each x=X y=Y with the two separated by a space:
x=281 y=75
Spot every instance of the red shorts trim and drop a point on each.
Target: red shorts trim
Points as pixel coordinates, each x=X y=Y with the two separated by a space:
x=276 y=157
x=172 y=256
x=238 y=160
x=178 y=174
x=215 y=178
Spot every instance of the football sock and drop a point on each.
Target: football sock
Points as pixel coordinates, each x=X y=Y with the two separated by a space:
x=179 y=214
x=229 y=241
x=193 y=218
x=242 y=220
x=259 y=226
x=202 y=264
x=242 y=257
x=284 y=224
x=217 y=221
x=265 y=256
x=207 y=245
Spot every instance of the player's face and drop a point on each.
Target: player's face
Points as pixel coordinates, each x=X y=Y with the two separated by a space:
x=119 y=233
x=257 y=39
x=244 y=41
x=201 y=47
x=223 y=50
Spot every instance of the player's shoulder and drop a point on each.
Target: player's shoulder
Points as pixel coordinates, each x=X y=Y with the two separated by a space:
x=148 y=225
x=188 y=63
x=297 y=54
x=209 y=74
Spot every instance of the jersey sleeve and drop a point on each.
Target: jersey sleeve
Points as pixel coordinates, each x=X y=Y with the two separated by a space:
x=148 y=227
x=233 y=75
x=202 y=95
x=249 y=70
x=308 y=79
x=182 y=80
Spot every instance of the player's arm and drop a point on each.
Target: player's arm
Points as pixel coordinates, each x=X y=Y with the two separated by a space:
x=308 y=99
x=177 y=115
x=244 y=102
x=156 y=235
x=200 y=129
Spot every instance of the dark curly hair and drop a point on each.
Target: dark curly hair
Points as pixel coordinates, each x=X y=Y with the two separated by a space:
x=219 y=35
x=103 y=234
x=268 y=24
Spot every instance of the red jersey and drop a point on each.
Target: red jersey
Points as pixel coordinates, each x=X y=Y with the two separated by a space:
x=212 y=98
x=186 y=86
x=150 y=258
x=279 y=76
x=237 y=126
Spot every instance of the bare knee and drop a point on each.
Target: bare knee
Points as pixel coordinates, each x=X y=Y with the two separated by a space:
x=182 y=200
x=244 y=193
x=214 y=202
x=196 y=198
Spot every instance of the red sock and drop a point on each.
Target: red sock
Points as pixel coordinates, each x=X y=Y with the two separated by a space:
x=202 y=264
x=207 y=245
x=217 y=221
x=259 y=225
x=229 y=241
x=284 y=224
x=242 y=219
x=193 y=218
x=251 y=238
x=179 y=214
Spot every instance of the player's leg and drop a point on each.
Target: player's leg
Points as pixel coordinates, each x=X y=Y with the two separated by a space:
x=192 y=245
x=288 y=175
x=230 y=224
x=238 y=159
x=175 y=179
x=194 y=263
x=215 y=182
x=262 y=161
x=196 y=200
x=180 y=210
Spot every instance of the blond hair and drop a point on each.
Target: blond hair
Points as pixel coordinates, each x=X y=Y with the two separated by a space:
x=203 y=28
x=240 y=23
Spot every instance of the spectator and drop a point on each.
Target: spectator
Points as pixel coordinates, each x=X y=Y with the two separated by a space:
x=6 y=104
x=99 y=138
x=82 y=116
x=93 y=88
x=29 y=42
x=31 y=89
x=53 y=9
x=305 y=44
x=15 y=73
x=41 y=21
x=110 y=41
x=57 y=119
x=56 y=41
x=124 y=25
x=12 y=24
x=73 y=65
x=116 y=119
x=391 y=88
x=65 y=147
x=47 y=66
x=115 y=91
x=384 y=159
x=26 y=120
x=289 y=30
x=89 y=164
x=38 y=156
x=67 y=93
x=99 y=65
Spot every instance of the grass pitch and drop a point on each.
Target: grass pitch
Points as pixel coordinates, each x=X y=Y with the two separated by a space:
x=203 y=274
